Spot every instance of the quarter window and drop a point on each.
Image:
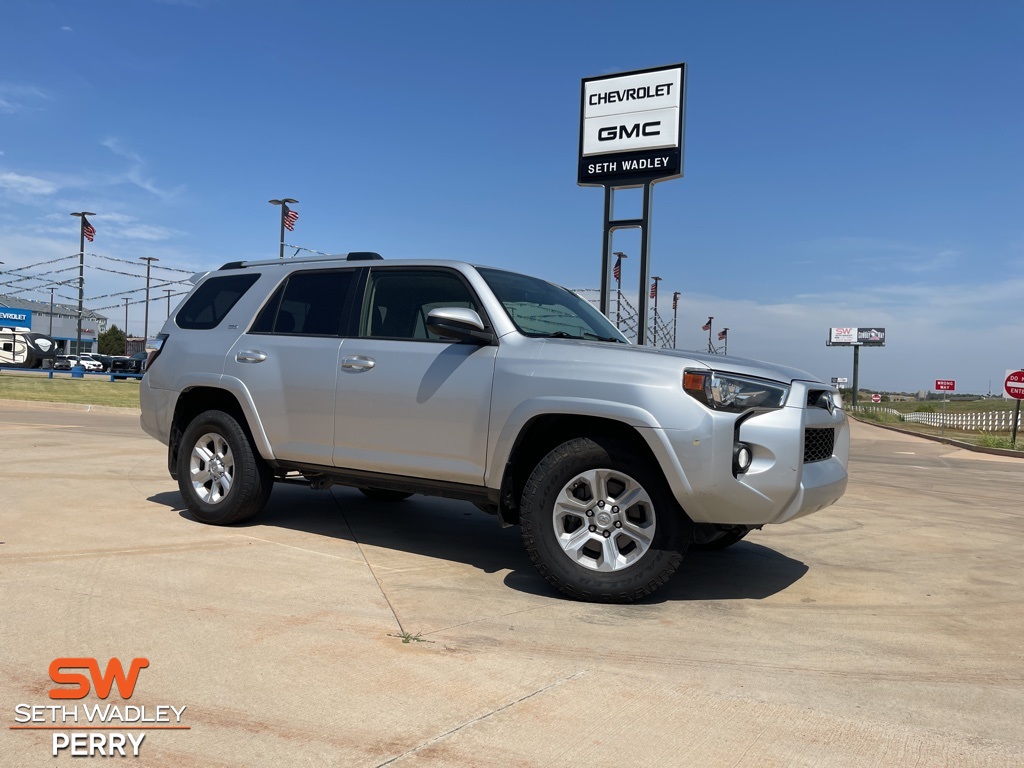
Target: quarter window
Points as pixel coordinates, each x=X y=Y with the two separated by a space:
x=212 y=301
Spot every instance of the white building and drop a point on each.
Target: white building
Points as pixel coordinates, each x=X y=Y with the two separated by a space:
x=61 y=325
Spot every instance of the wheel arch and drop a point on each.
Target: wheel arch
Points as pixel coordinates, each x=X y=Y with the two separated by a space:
x=193 y=401
x=544 y=432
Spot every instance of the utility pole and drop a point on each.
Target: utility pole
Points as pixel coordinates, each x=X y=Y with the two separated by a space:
x=145 y=324
x=85 y=230
x=283 y=202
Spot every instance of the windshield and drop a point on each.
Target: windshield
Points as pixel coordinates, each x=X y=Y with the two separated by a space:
x=539 y=308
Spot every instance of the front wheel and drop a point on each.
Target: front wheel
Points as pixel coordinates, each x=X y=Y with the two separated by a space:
x=222 y=478
x=599 y=524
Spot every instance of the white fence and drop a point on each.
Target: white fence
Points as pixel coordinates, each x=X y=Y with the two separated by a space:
x=984 y=421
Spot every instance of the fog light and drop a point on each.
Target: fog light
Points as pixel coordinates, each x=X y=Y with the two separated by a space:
x=741 y=458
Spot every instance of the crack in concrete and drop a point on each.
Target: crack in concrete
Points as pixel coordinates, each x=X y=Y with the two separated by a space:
x=475 y=720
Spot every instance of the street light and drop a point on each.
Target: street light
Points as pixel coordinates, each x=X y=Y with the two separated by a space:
x=145 y=324
x=83 y=223
x=126 y=326
x=283 y=202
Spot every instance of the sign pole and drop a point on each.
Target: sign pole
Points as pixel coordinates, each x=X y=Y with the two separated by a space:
x=1017 y=418
x=943 y=433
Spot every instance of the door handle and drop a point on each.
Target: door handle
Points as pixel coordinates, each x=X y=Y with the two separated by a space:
x=251 y=356
x=357 y=363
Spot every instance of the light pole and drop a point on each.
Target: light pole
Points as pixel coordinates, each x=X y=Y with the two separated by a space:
x=85 y=230
x=617 y=274
x=126 y=326
x=168 y=292
x=285 y=215
x=145 y=323
x=654 y=295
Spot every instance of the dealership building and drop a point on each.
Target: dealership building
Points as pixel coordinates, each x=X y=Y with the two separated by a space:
x=61 y=324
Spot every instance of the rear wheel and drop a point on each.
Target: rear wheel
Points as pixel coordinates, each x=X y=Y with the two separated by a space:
x=222 y=478
x=599 y=524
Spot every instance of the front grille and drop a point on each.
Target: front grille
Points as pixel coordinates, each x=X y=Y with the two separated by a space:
x=818 y=444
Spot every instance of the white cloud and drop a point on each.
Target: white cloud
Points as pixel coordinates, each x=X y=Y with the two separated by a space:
x=66 y=29
x=26 y=185
x=17 y=98
x=135 y=174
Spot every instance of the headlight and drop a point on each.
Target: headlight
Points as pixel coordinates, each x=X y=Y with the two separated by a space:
x=729 y=392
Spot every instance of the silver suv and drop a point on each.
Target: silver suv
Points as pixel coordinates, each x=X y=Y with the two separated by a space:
x=455 y=380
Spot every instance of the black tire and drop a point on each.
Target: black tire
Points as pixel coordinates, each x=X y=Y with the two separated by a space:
x=609 y=553
x=711 y=538
x=215 y=434
x=380 y=494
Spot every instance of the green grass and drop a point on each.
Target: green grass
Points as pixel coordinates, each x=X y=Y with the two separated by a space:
x=62 y=389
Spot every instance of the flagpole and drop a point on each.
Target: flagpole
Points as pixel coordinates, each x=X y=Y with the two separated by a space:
x=711 y=347
x=283 y=203
x=654 y=290
x=618 y=288
x=675 y=319
x=81 y=276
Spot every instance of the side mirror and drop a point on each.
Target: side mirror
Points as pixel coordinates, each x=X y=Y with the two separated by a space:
x=459 y=323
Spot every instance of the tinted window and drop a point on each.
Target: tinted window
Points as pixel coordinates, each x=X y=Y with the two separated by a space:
x=399 y=301
x=307 y=304
x=212 y=301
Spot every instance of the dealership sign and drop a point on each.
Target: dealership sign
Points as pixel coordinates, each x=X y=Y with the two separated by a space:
x=849 y=337
x=631 y=126
x=18 y=318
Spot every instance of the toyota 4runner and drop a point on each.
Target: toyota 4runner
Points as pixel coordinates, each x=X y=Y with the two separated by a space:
x=473 y=383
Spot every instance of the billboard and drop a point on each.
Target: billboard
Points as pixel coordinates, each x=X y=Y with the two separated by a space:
x=15 y=318
x=631 y=126
x=851 y=337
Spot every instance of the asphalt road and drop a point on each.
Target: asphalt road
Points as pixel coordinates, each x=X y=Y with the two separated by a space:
x=884 y=631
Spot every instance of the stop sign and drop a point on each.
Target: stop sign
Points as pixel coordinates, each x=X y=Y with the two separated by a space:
x=1014 y=384
x=878 y=398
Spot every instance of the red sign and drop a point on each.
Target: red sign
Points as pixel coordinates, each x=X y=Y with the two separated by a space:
x=876 y=398
x=945 y=385
x=1014 y=384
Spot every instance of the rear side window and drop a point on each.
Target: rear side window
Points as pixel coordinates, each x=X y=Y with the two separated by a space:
x=212 y=301
x=308 y=304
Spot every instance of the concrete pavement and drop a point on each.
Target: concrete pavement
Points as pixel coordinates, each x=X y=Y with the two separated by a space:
x=884 y=631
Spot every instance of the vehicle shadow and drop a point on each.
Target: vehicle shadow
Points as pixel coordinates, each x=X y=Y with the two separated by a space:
x=459 y=532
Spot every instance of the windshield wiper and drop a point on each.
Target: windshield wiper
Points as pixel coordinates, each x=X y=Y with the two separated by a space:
x=586 y=335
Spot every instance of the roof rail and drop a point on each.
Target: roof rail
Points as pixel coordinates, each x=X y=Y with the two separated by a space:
x=353 y=256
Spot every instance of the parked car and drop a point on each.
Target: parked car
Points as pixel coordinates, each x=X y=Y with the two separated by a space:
x=135 y=364
x=67 y=362
x=103 y=360
x=449 y=379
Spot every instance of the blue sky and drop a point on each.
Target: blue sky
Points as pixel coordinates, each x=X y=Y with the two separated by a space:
x=845 y=164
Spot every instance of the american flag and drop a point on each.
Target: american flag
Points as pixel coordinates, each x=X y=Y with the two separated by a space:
x=88 y=229
x=723 y=334
x=290 y=217
x=707 y=325
x=654 y=289
x=617 y=269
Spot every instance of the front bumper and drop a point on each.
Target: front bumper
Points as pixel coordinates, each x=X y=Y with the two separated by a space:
x=782 y=483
